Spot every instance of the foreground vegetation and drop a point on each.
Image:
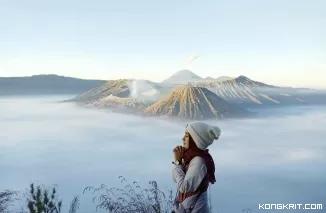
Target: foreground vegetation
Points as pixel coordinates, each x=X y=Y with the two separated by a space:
x=129 y=199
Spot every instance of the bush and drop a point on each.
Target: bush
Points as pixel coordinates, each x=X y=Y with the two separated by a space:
x=132 y=198
x=40 y=200
x=6 y=198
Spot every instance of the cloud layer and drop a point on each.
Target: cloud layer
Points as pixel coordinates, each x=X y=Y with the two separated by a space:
x=276 y=160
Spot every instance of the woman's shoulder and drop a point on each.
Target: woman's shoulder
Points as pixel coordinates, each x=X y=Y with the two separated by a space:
x=198 y=164
x=197 y=160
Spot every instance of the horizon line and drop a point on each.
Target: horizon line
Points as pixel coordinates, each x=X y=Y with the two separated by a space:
x=101 y=79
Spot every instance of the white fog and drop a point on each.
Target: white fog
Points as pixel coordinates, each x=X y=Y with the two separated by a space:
x=280 y=159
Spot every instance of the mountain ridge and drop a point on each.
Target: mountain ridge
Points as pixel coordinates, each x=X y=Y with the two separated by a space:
x=247 y=92
x=45 y=84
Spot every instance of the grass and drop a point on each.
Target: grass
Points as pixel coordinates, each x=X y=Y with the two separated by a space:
x=131 y=198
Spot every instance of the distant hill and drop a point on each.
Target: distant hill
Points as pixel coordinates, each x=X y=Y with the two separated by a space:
x=182 y=77
x=208 y=79
x=45 y=85
x=222 y=78
x=197 y=103
x=309 y=96
x=248 y=93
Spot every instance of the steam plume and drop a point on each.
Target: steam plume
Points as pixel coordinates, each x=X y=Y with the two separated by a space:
x=191 y=59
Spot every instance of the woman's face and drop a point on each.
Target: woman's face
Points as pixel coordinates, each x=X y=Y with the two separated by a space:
x=186 y=140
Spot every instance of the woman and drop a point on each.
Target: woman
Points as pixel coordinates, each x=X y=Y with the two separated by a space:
x=194 y=168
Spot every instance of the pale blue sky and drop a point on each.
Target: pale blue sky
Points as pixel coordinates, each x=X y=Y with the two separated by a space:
x=275 y=41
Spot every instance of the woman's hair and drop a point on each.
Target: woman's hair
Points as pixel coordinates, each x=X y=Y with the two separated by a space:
x=192 y=144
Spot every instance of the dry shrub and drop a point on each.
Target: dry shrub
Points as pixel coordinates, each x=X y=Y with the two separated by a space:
x=132 y=198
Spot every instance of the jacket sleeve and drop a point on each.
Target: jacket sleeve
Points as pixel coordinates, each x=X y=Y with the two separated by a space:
x=173 y=171
x=190 y=181
x=173 y=175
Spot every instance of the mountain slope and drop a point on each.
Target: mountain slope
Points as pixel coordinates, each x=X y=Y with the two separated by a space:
x=116 y=102
x=244 y=91
x=123 y=88
x=45 y=84
x=117 y=88
x=193 y=103
x=182 y=77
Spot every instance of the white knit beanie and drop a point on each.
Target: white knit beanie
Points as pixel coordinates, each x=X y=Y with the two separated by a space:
x=203 y=134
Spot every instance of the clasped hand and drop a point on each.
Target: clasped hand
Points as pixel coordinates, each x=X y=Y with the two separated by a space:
x=178 y=153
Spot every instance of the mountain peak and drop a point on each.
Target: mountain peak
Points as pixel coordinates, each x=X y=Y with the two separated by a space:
x=251 y=83
x=185 y=71
x=192 y=102
x=182 y=77
x=243 y=77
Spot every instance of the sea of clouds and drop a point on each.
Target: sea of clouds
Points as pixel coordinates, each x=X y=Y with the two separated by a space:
x=275 y=159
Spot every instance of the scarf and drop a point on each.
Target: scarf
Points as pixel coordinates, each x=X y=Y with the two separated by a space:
x=194 y=152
